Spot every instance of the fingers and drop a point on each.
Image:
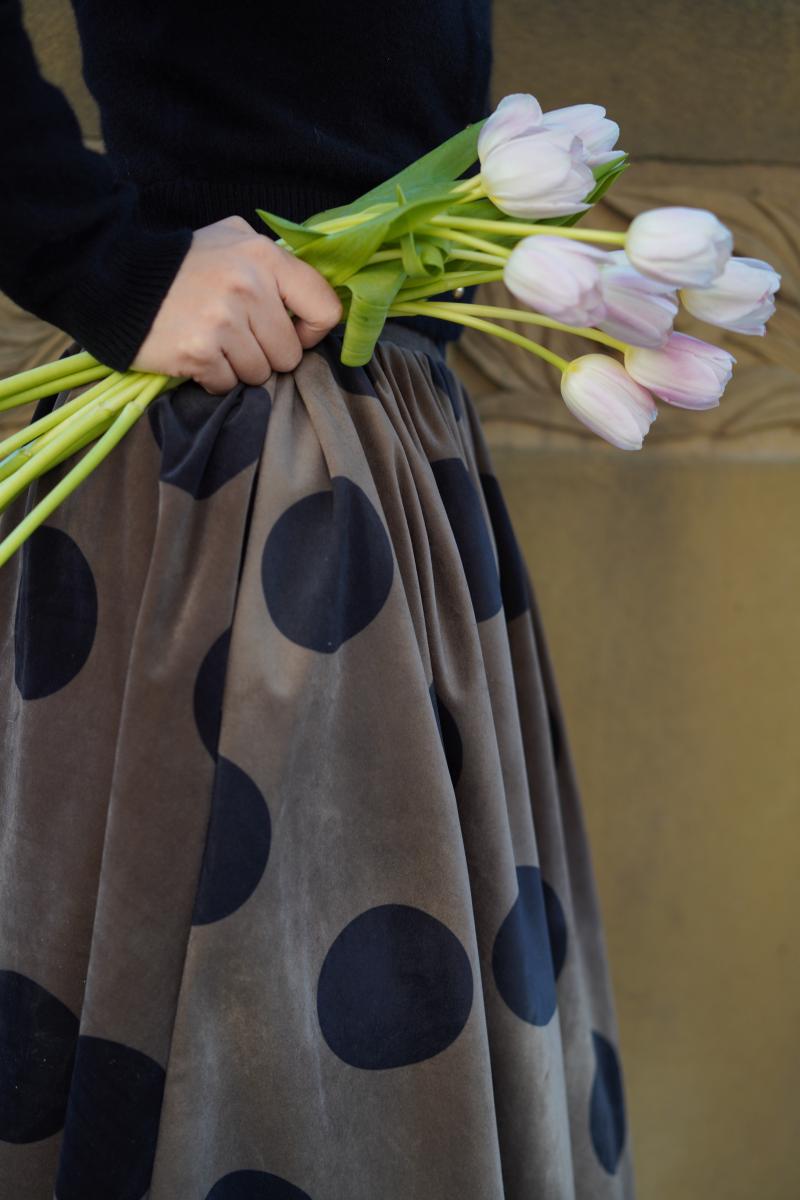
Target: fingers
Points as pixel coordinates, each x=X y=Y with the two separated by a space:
x=273 y=328
x=308 y=294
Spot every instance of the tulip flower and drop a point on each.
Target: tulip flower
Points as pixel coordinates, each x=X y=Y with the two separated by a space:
x=542 y=173
x=686 y=247
x=739 y=299
x=557 y=277
x=516 y=114
x=590 y=123
x=600 y=393
x=686 y=372
x=639 y=310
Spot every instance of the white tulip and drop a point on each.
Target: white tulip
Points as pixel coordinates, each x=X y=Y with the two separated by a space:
x=515 y=114
x=687 y=372
x=599 y=392
x=557 y=277
x=542 y=173
x=639 y=310
x=739 y=299
x=685 y=247
x=590 y=123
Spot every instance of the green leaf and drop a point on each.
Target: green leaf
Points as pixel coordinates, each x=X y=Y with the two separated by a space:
x=337 y=256
x=372 y=290
x=443 y=164
x=294 y=235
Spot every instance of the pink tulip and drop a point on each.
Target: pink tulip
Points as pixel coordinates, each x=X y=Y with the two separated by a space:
x=599 y=392
x=542 y=173
x=639 y=310
x=557 y=277
x=685 y=247
x=739 y=299
x=590 y=123
x=515 y=115
x=686 y=372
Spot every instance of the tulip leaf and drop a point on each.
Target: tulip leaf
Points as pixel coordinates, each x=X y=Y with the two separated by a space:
x=373 y=290
x=337 y=256
x=294 y=235
x=443 y=164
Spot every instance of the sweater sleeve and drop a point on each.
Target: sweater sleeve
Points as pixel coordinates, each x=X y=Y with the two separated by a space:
x=73 y=247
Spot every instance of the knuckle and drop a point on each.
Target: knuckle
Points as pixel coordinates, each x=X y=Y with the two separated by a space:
x=237 y=222
x=218 y=315
x=243 y=284
x=195 y=352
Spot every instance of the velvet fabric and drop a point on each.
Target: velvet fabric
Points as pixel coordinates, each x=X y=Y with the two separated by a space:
x=296 y=901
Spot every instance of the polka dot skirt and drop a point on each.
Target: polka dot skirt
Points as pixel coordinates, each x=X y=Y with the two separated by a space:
x=295 y=895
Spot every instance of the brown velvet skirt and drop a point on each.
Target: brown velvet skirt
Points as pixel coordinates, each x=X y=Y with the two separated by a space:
x=296 y=901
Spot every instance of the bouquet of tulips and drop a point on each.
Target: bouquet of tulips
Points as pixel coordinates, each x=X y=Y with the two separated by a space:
x=426 y=231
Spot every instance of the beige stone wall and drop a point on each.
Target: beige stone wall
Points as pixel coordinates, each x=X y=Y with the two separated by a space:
x=669 y=582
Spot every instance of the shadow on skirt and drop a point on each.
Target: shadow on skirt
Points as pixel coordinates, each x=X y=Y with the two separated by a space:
x=295 y=895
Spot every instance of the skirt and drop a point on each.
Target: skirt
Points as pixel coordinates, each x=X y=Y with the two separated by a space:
x=296 y=901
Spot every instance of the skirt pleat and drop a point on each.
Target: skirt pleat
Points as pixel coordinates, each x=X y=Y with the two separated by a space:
x=296 y=899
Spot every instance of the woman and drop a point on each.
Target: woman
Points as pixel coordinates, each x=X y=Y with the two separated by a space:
x=295 y=897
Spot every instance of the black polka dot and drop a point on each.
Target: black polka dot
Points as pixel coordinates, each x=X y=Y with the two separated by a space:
x=513 y=579
x=208 y=690
x=111 y=1129
x=255 y=1185
x=327 y=567
x=446 y=381
x=395 y=988
x=530 y=949
x=205 y=440
x=237 y=845
x=448 y=732
x=355 y=380
x=56 y=613
x=463 y=507
x=607 y=1104
x=38 y=1035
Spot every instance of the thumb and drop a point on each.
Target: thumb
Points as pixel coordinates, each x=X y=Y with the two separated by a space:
x=309 y=332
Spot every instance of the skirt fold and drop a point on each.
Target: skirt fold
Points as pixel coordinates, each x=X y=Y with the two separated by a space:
x=296 y=901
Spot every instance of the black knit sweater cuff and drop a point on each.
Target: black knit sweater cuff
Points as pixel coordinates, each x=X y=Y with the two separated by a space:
x=110 y=308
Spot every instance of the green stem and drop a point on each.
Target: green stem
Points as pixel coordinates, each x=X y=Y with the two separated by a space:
x=534 y=318
x=523 y=229
x=478 y=256
x=466 y=239
x=446 y=282
x=59 y=384
x=462 y=318
x=31 y=431
x=47 y=372
x=40 y=460
x=112 y=435
x=383 y=256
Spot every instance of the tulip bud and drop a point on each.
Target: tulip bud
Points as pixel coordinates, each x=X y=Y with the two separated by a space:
x=739 y=299
x=590 y=123
x=599 y=392
x=686 y=247
x=687 y=372
x=515 y=114
x=542 y=173
x=558 y=277
x=639 y=310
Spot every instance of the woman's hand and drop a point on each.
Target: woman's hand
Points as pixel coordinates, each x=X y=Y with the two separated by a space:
x=224 y=317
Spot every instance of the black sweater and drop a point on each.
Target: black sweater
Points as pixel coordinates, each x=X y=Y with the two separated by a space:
x=207 y=111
